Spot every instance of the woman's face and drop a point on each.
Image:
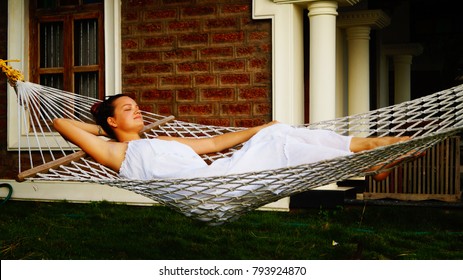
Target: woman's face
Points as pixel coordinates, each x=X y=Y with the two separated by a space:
x=127 y=115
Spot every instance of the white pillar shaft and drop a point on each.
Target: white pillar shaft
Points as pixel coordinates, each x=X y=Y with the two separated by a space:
x=359 y=69
x=402 y=68
x=322 y=16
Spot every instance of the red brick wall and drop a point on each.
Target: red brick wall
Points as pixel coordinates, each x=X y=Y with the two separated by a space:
x=204 y=61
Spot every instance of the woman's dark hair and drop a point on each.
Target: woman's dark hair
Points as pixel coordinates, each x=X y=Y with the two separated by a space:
x=102 y=110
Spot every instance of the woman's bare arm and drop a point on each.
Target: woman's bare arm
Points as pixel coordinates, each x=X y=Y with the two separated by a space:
x=220 y=142
x=85 y=136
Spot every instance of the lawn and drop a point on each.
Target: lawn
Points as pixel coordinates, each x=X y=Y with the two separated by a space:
x=105 y=231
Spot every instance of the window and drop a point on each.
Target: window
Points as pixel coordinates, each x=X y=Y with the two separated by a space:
x=67 y=45
x=20 y=30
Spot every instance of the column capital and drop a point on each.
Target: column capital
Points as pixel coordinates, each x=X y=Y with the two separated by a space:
x=376 y=19
x=403 y=49
x=317 y=8
x=358 y=32
x=341 y=3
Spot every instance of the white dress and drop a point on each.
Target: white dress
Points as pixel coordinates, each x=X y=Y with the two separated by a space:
x=273 y=147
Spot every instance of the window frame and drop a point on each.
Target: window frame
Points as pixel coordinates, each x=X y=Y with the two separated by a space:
x=68 y=69
x=18 y=48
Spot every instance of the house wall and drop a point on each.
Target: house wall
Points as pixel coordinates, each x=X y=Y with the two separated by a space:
x=204 y=61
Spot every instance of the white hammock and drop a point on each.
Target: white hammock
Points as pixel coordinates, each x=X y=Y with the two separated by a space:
x=218 y=199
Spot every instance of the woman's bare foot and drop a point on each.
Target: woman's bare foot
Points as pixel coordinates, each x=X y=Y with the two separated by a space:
x=363 y=144
x=359 y=144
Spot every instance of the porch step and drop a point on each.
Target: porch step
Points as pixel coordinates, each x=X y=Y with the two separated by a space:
x=326 y=197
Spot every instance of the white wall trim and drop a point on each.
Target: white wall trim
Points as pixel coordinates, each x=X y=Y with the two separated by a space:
x=76 y=192
x=287 y=58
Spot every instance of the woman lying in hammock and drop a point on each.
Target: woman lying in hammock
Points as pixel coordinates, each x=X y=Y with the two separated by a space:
x=269 y=146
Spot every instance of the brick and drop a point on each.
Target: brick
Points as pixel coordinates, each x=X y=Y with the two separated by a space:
x=143 y=56
x=229 y=37
x=193 y=39
x=140 y=81
x=158 y=95
x=187 y=94
x=233 y=9
x=159 y=42
x=217 y=94
x=180 y=54
x=216 y=52
x=241 y=109
x=253 y=93
x=262 y=109
x=138 y=3
x=250 y=122
x=197 y=11
x=235 y=79
x=158 y=68
x=193 y=66
x=214 y=122
x=231 y=65
x=126 y=30
x=129 y=44
x=258 y=63
x=165 y=110
x=244 y=123
x=183 y=26
x=149 y=28
x=129 y=16
x=131 y=93
x=205 y=80
x=146 y=107
x=175 y=2
x=176 y=80
x=130 y=69
x=195 y=109
x=246 y=51
x=266 y=48
x=161 y=14
x=262 y=78
x=221 y=23
x=259 y=35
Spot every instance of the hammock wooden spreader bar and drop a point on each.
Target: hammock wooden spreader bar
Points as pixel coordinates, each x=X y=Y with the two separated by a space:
x=22 y=176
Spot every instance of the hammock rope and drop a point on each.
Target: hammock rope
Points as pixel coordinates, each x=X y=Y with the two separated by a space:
x=216 y=200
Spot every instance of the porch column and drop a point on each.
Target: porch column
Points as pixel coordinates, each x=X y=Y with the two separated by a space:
x=402 y=55
x=358 y=69
x=402 y=84
x=358 y=25
x=322 y=17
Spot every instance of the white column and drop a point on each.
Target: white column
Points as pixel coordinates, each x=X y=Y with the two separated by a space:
x=402 y=84
x=383 y=94
x=322 y=16
x=402 y=55
x=358 y=40
x=358 y=25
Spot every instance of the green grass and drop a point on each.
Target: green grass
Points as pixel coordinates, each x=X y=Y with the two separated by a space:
x=33 y=230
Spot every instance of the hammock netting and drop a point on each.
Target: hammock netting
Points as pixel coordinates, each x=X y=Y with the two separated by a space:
x=47 y=156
